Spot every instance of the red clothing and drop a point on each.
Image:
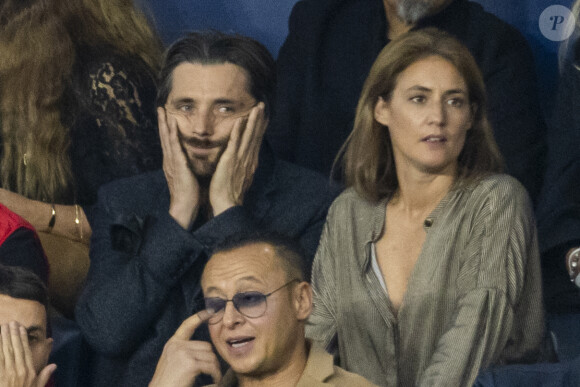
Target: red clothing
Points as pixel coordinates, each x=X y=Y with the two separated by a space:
x=10 y=222
x=19 y=244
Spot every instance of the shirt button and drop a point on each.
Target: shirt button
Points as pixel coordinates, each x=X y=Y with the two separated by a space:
x=428 y=222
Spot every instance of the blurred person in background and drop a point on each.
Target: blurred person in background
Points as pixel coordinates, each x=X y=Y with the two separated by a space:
x=558 y=210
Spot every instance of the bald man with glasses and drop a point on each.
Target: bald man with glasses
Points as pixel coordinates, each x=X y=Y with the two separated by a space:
x=257 y=304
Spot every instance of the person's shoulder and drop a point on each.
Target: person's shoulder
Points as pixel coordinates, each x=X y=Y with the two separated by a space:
x=304 y=182
x=318 y=7
x=349 y=199
x=315 y=12
x=138 y=188
x=354 y=207
x=499 y=182
x=499 y=188
x=343 y=378
x=320 y=368
x=490 y=25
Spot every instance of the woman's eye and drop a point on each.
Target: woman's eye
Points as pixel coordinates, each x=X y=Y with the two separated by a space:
x=418 y=99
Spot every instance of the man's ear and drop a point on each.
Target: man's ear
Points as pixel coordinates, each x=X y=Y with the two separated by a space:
x=303 y=300
x=382 y=112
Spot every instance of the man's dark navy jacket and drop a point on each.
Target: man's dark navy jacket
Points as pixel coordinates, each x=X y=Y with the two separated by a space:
x=144 y=278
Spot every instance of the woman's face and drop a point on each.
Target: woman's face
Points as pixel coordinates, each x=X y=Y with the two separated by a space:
x=427 y=116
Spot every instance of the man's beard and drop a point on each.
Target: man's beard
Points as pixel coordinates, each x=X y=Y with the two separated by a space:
x=411 y=11
x=203 y=169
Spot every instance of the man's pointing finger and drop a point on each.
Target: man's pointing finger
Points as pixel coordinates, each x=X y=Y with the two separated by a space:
x=188 y=327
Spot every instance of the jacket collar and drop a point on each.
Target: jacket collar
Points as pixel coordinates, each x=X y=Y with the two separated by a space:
x=319 y=367
x=373 y=230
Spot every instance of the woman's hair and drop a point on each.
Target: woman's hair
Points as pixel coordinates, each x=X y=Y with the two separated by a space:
x=38 y=43
x=367 y=155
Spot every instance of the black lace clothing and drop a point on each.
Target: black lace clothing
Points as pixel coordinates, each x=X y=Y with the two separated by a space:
x=110 y=109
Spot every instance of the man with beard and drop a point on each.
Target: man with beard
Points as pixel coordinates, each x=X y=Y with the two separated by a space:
x=333 y=43
x=153 y=233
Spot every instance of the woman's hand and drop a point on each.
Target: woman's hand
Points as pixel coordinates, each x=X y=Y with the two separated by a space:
x=39 y=214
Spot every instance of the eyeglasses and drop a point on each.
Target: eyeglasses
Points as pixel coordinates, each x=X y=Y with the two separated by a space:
x=250 y=304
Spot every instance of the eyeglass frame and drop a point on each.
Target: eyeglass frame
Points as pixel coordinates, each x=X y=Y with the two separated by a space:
x=264 y=296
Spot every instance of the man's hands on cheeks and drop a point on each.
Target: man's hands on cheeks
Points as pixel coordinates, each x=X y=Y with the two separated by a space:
x=16 y=365
x=183 y=185
x=235 y=170
x=183 y=360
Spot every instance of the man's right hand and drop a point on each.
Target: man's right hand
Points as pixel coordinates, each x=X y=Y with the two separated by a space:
x=235 y=170
x=183 y=185
x=16 y=366
x=183 y=360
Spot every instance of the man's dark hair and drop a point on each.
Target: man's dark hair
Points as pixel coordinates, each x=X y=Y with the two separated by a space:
x=287 y=249
x=214 y=47
x=20 y=283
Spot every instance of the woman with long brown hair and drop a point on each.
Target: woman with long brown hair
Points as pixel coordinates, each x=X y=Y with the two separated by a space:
x=76 y=111
x=428 y=265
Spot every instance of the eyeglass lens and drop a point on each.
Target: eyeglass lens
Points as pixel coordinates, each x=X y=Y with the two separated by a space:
x=250 y=304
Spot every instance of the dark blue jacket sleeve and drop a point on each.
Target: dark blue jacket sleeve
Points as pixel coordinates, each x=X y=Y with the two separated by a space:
x=130 y=280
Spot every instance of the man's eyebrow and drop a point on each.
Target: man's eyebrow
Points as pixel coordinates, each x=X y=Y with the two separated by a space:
x=249 y=278
x=225 y=101
x=182 y=100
